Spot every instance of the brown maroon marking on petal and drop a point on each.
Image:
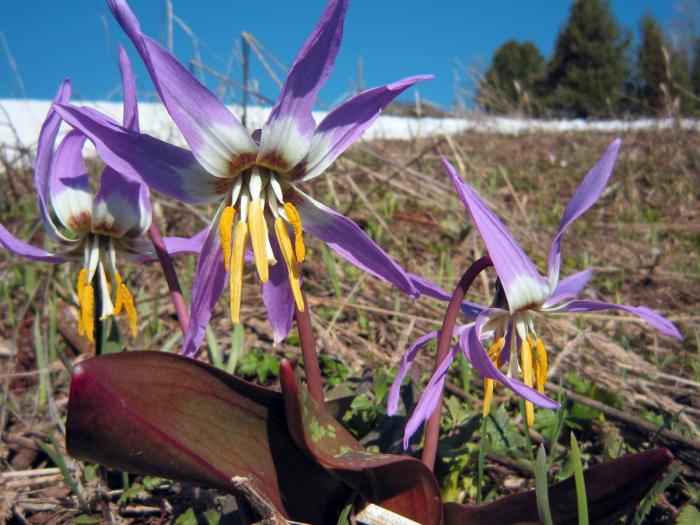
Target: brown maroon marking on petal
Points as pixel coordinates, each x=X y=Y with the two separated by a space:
x=221 y=186
x=299 y=171
x=292 y=196
x=274 y=160
x=241 y=162
x=111 y=230
x=80 y=222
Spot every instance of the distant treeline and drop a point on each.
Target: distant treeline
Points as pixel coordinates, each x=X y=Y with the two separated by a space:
x=595 y=71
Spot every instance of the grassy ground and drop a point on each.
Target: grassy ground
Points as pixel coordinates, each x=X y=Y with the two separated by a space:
x=624 y=387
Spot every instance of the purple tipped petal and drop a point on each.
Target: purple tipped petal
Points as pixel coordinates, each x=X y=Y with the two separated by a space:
x=164 y=167
x=652 y=317
x=569 y=288
x=119 y=209
x=585 y=196
x=218 y=141
x=44 y=159
x=194 y=244
x=286 y=135
x=347 y=122
x=209 y=281
x=406 y=361
x=278 y=298
x=17 y=247
x=521 y=281
x=429 y=288
x=430 y=397
x=475 y=352
x=131 y=109
x=350 y=242
x=69 y=186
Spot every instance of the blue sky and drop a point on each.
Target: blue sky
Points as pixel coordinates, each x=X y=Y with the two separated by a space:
x=51 y=40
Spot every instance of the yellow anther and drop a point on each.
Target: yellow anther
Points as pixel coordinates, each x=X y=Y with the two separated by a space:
x=285 y=244
x=494 y=354
x=526 y=363
x=225 y=230
x=125 y=300
x=258 y=234
x=86 y=298
x=240 y=240
x=295 y=221
x=540 y=365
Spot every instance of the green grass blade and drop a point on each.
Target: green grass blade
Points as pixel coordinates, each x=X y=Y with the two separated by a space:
x=483 y=448
x=541 y=488
x=42 y=365
x=217 y=359
x=237 y=342
x=655 y=493
x=581 y=501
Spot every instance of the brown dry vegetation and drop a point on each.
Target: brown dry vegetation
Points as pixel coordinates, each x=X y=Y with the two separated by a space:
x=642 y=239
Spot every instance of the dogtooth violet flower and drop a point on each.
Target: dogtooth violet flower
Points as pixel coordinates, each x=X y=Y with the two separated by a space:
x=523 y=294
x=257 y=176
x=92 y=228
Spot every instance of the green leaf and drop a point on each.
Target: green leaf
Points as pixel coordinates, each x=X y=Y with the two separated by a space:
x=541 y=487
x=690 y=515
x=581 y=501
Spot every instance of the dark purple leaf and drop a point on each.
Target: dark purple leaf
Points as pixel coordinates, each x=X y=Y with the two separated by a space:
x=161 y=414
x=613 y=489
x=399 y=483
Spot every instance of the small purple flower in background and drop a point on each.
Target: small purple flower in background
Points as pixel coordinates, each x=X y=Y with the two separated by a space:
x=91 y=228
x=257 y=176
x=522 y=294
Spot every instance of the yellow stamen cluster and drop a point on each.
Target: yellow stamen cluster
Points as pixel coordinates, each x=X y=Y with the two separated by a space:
x=126 y=301
x=234 y=240
x=494 y=354
x=533 y=363
x=86 y=300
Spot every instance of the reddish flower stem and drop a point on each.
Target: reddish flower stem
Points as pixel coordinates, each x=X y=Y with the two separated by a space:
x=432 y=428
x=170 y=276
x=312 y=370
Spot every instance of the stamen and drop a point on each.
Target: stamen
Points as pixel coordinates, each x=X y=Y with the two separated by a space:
x=295 y=221
x=126 y=300
x=82 y=278
x=494 y=354
x=540 y=365
x=86 y=299
x=526 y=360
x=225 y=230
x=240 y=240
x=256 y=225
x=285 y=245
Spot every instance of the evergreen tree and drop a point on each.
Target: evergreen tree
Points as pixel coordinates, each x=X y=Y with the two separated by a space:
x=664 y=72
x=588 y=71
x=653 y=67
x=513 y=77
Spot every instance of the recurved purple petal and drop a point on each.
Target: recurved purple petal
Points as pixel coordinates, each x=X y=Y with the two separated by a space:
x=164 y=167
x=286 y=135
x=131 y=109
x=652 y=317
x=585 y=196
x=18 y=247
x=429 y=288
x=69 y=186
x=44 y=159
x=209 y=281
x=472 y=347
x=194 y=244
x=521 y=281
x=217 y=139
x=406 y=361
x=119 y=209
x=278 y=299
x=569 y=288
x=350 y=242
x=430 y=397
x=347 y=122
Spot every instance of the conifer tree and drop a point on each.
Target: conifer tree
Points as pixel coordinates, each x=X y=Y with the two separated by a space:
x=513 y=78
x=588 y=72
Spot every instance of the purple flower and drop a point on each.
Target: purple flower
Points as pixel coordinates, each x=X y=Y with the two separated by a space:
x=92 y=228
x=255 y=177
x=523 y=295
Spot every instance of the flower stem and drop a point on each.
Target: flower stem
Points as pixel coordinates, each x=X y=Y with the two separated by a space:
x=312 y=370
x=432 y=428
x=170 y=276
